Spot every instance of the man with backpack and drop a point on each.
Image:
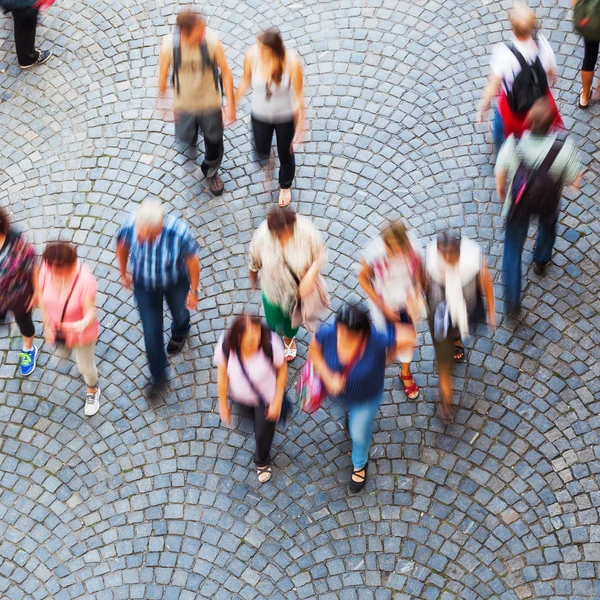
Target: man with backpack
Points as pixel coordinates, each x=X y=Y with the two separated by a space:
x=530 y=175
x=196 y=56
x=521 y=73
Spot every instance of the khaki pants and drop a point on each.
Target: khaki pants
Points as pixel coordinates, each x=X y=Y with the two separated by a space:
x=86 y=363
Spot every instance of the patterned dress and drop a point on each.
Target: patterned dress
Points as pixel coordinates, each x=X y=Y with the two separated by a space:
x=17 y=263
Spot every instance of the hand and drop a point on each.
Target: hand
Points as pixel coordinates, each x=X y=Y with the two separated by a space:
x=306 y=287
x=229 y=115
x=32 y=303
x=49 y=333
x=225 y=413
x=391 y=316
x=191 y=302
x=274 y=411
x=492 y=321
x=298 y=139
x=335 y=384
x=479 y=117
x=126 y=280
x=77 y=327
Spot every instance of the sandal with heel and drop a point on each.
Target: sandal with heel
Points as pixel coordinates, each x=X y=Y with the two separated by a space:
x=413 y=388
x=361 y=479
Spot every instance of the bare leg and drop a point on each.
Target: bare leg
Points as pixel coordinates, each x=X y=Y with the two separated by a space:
x=445 y=375
x=27 y=343
x=587 y=78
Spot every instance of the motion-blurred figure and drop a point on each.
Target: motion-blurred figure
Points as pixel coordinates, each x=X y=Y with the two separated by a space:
x=18 y=282
x=275 y=75
x=25 y=15
x=164 y=261
x=456 y=278
x=67 y=300
x=349 y=356
x=390 y=275
x=530 y=176
x=289 y=252
x=252 y=371
x=196 y=55
x=521 y=73
x=587 y=22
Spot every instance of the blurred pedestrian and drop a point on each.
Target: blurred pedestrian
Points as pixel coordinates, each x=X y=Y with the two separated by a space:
x=25 y=16
x=521 y=73
x=67 y=300
x=456 y=279
x=587 y=22
x=252 y=372
x=196 y=55
x=275 y=75
x=391 y=277
x=530 y=176
x=350 y=355
x=164 y=266
x=289 y=251
x=18 y=283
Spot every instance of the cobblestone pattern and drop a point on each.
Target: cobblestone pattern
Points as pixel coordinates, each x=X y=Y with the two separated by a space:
x=136 y=503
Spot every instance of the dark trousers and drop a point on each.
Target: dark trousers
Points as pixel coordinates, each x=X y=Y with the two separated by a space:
x=263 y=138
x=514 y=237
x=591 y=55
x=25 y=23
x=210 y=124
x=23 y=318
x=264 y=432
x=150 y=305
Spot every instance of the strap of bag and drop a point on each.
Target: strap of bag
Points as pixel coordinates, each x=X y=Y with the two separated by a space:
x=64 y=312
x=296 y=278
x=254 y=389
x=176 y=58
x=518 y=55
x=355 y=360
x=552 y=155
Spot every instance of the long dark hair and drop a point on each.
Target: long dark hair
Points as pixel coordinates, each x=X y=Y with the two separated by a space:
x=272 y=39
x=233 y=340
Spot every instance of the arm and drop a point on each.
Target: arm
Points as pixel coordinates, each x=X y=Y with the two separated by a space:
x=89 y=316
x=334 y=382
x=164 y=64
x=246 y=81
x=35 y=276
x=253 y=279
x=297 y=80
x=227 y=82
x=222 y=388
x=274 y=411
x=487 y=288
x=364 y=279
x=123 y=258
x=319 y=252
x=501 y=180
x=193 y=267
x=491 y=91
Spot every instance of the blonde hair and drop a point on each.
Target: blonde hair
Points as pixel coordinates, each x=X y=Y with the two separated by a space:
x=150 y=212
x=522 y=19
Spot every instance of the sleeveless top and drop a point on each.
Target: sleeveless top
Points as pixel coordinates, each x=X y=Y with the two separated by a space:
x=272 y=103
x=197 y=91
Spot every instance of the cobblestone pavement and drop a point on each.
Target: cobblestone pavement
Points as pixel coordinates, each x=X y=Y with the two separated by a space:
x=136 y=503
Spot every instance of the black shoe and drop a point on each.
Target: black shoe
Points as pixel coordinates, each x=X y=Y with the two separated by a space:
x=357 y=486
x=156 y=393
x=539 y=268
x=175 y=345
x=215 y=184
x=2 y=317
x=42 y=57
x=514 y=311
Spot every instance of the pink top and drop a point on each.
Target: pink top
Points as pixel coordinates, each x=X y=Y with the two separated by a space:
x=53 y=300
x=259 y=368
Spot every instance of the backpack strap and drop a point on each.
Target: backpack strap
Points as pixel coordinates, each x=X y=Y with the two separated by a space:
x=518 y=55
x=176 y=58
x=208 y=62
x=555 y=149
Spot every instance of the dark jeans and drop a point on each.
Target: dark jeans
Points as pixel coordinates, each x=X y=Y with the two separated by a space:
x=264 y=431
x=263 y=138
x=150 y=305
x=498 y=131
x=591 y=55
x=25 y=23
x=514 y=238
x=210 y=124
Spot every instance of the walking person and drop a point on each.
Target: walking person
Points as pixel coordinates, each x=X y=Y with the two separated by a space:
x=457 y=278
x=521 y=73
x=549 y=164
x=590 y=31
x=253 y=373
x=275 y=75
x=67 y=300
x=195 y=54
x=163 y=256
x=289 y=252
x=25 y=16
x=350 y=355
x=18 y=283
x=391 y=277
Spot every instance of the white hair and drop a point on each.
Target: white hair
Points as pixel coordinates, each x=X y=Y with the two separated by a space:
x=150 y=212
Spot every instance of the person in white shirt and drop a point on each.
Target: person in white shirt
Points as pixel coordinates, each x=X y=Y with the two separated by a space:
x=506 y=65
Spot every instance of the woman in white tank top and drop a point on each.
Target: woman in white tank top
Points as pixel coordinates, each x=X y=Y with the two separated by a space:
x=275 y=75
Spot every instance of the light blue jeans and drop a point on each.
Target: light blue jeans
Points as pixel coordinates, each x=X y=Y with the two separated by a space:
x=360 y=422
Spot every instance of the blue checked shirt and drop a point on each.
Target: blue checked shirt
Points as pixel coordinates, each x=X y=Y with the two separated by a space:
x=162 y=262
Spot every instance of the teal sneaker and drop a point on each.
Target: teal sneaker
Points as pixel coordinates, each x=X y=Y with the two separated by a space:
x=28 y=358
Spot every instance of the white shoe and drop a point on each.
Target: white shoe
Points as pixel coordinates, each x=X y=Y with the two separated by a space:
x=92 y=403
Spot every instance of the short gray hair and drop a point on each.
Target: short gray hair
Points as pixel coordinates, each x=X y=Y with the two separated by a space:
x=150 y=212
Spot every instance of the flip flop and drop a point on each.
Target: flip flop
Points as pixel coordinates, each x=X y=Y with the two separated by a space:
x=289 y=352
x=285 y=197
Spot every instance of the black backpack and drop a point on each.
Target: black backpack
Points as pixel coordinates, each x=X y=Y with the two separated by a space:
x=530 y=84
x=533 y=190
x=207 y=62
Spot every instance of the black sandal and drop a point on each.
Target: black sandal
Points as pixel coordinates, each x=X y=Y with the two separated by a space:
x=266 y=470
x=584 y=106
x=459 y=352
x=361 y=474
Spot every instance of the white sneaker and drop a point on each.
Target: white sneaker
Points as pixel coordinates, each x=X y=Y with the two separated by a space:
x=92 y=403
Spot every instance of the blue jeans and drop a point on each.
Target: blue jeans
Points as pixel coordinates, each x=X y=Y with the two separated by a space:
x=150 y=305
x=498 y=131
x=360 y=423
x=514 y=237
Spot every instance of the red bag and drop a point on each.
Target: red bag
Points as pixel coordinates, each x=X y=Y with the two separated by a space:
x=515 y=124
